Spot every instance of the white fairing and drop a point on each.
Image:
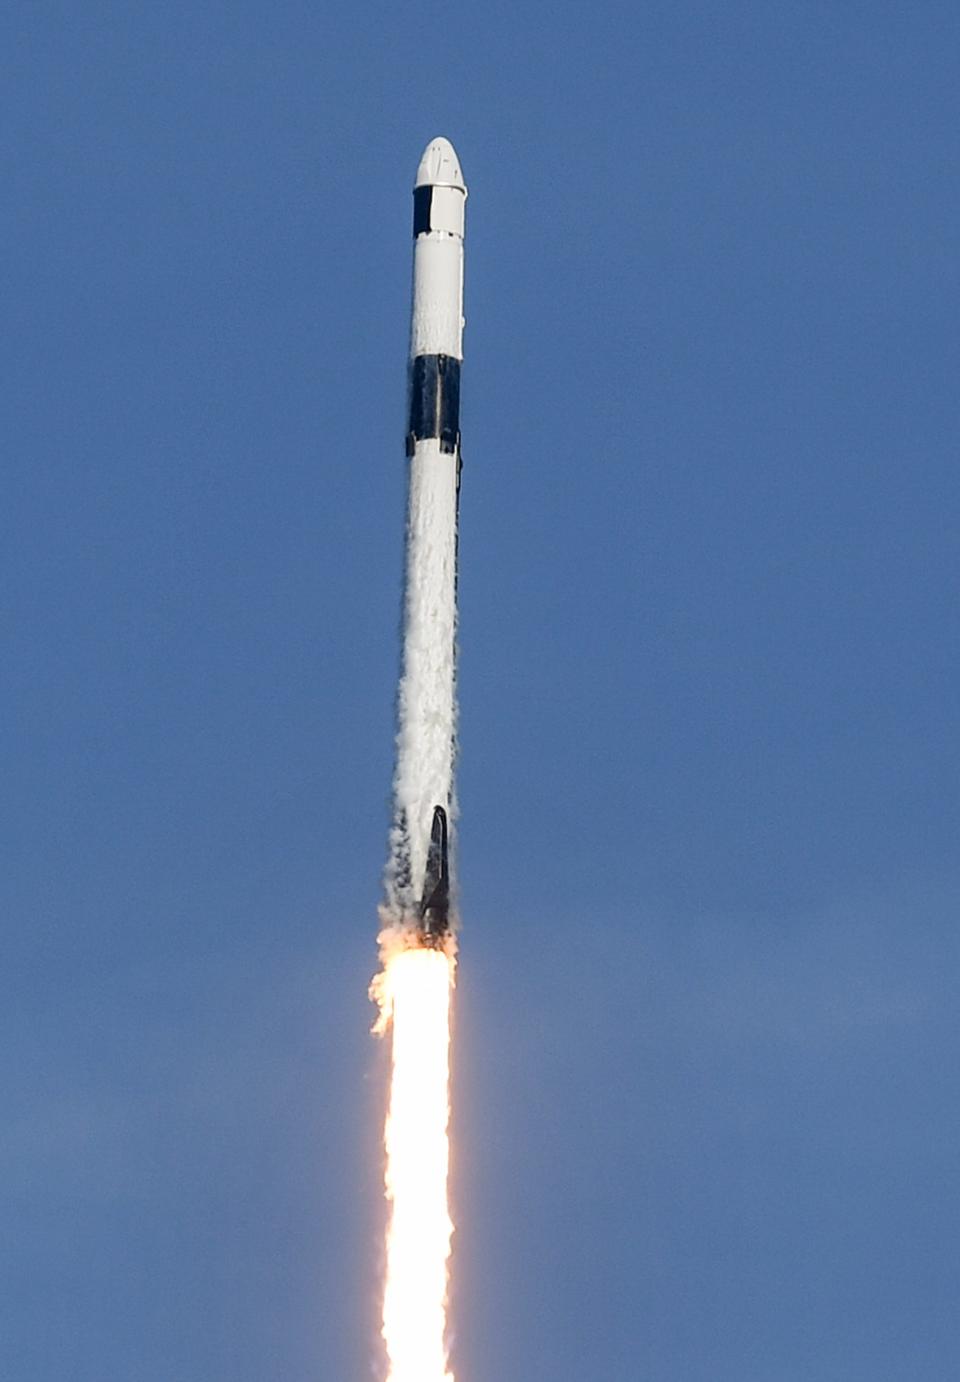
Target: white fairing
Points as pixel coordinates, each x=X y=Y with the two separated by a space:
x=426 y=710
x=440 y=167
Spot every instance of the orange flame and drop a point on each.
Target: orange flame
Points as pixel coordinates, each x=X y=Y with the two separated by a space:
x=414 y=992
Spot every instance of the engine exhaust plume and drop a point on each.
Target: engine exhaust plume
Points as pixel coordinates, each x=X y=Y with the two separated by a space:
x=414 y=991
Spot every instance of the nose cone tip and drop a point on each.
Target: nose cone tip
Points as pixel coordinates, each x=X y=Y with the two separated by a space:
x=440 y=166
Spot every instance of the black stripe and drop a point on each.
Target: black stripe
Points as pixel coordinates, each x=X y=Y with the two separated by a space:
x=434 y=402
x=422 y=202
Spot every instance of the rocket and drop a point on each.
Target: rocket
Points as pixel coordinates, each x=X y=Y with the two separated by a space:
x=418 y=875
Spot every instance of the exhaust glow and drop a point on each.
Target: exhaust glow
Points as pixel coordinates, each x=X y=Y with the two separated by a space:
x=414 y=991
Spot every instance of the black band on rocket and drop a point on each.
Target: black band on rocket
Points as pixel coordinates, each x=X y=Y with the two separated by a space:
x=434 y=401
x=422 y=199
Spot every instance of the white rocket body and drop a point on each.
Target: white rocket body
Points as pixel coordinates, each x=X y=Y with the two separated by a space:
x=417 y=879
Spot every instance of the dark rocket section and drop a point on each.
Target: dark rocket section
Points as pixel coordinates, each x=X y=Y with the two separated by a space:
x=422 y=202
x=434 y=402
x=435 y=904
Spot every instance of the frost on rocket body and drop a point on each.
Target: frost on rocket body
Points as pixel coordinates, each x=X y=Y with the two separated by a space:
x=426 y=700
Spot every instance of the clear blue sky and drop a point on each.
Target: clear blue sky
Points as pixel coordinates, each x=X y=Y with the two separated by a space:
x=707 y=1111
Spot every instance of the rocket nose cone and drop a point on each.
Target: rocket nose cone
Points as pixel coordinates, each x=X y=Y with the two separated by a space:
x=440 y=166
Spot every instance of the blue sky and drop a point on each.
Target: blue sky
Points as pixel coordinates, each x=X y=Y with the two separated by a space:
x=706 y=1110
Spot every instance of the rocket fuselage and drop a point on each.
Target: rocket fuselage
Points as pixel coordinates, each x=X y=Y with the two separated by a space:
x=418 y=874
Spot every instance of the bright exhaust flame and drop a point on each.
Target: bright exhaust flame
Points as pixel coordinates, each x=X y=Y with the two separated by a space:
x=414 y=993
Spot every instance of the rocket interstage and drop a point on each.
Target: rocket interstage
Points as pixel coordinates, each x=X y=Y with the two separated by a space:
x=418 y=881
x=414 y=989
